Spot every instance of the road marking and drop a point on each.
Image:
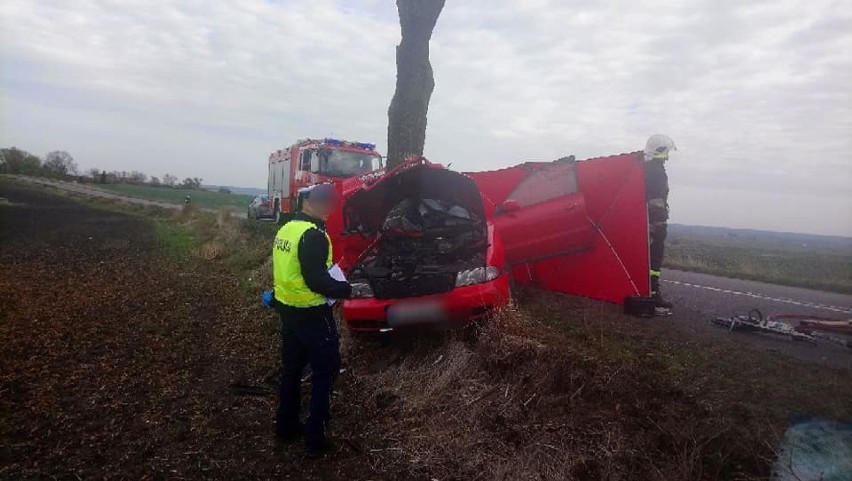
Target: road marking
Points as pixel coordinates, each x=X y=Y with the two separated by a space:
x=794 y=302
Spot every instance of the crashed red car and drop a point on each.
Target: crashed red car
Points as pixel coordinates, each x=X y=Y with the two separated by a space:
x=432 y=257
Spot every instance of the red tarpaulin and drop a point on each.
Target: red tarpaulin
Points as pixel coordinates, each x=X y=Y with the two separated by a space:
x=615 y=264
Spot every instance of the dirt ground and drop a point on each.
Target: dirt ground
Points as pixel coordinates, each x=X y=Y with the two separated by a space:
x=118 y=360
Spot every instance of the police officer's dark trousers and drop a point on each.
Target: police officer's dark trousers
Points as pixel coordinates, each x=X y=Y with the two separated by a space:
x=308 y=336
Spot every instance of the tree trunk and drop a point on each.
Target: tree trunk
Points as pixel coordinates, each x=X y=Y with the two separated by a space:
x=414 y=81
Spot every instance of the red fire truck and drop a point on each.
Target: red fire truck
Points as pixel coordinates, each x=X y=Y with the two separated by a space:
x=312 y=161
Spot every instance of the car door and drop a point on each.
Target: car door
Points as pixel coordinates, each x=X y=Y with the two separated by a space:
x=544 y=215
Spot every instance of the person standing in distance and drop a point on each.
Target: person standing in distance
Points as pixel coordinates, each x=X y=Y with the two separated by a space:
x=657 y=150
x=301 y=257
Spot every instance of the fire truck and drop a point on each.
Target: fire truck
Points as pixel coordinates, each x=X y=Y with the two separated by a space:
x=313 y=161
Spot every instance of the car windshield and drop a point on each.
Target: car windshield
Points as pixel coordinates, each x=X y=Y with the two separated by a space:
x=340 y=163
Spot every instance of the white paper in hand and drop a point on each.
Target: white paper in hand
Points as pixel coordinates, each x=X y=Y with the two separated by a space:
x=337 y=274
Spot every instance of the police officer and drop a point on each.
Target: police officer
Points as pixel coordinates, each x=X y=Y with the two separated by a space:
x=301 y=257
x=657 y=150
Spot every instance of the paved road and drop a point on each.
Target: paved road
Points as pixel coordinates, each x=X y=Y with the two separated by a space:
x=736 y=295
x=698 y=298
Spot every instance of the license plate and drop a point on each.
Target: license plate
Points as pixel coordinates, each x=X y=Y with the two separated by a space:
x=414 y=313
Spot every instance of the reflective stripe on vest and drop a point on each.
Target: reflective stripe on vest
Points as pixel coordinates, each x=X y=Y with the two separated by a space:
x=290 y=287
x=655 y=273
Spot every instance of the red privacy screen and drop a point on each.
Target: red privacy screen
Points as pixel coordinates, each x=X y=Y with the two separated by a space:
x=613 y=264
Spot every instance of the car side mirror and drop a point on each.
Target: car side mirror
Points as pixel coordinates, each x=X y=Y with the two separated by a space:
x=509 y=205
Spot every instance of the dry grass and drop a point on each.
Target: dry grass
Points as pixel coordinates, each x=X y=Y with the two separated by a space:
x=515 y=403
x=211 y=250
x=261 y=277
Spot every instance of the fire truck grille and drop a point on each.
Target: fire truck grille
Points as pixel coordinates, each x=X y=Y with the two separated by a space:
x=420 y=285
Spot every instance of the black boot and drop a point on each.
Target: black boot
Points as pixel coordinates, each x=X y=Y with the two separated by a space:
x=662 y=303
x=657 y=295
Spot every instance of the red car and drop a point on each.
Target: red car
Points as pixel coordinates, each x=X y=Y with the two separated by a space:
x=433 y=251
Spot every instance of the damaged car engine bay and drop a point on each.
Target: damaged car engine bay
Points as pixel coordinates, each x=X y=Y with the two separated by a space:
x=425 y=246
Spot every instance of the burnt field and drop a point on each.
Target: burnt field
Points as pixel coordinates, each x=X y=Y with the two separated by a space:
x=132 y=345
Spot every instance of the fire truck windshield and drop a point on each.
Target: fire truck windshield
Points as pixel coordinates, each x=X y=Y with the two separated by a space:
x=341 y=163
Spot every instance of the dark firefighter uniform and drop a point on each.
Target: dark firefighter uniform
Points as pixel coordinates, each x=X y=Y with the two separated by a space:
x=657 y=196
x=301 y=258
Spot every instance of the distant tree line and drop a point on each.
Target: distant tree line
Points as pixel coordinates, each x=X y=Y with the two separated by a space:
x=56 y=164
x=61 y=165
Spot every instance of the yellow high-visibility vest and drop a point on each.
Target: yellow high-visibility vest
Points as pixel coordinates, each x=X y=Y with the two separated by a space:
x=290 y=287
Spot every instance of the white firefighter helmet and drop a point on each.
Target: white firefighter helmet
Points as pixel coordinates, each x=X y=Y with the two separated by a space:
x=658 y=146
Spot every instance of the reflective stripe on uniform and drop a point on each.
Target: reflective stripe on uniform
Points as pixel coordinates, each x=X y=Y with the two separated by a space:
x=289 y=285
x=655 y=273
x=658 y=203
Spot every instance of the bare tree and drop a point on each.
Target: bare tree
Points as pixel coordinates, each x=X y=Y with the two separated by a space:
x=169 y=180
x=59 y=164
x=154 y=181
x=193 y=183
x=136 y=177
x=414 y=80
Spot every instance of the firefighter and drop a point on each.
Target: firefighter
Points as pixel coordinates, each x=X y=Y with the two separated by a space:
x=301 y=257
x=656 y=152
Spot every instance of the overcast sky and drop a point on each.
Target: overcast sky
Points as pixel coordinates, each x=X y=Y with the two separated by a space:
x=757 y=94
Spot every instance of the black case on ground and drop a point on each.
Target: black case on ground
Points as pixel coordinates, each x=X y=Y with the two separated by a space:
x=639 y=306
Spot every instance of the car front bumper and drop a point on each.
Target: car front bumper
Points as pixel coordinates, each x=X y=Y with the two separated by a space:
x=450 y=309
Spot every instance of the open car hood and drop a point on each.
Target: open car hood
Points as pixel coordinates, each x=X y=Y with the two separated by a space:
x=364 y=211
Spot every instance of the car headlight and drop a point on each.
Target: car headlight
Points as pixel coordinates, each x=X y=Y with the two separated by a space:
x=477 y=276
x=361 y=290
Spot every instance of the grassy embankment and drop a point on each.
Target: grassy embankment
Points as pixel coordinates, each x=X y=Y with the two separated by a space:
x=553 y=388
x=203 y=198
x=811 y=267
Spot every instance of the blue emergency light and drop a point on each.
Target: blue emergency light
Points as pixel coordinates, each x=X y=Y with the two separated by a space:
x=357 y=145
